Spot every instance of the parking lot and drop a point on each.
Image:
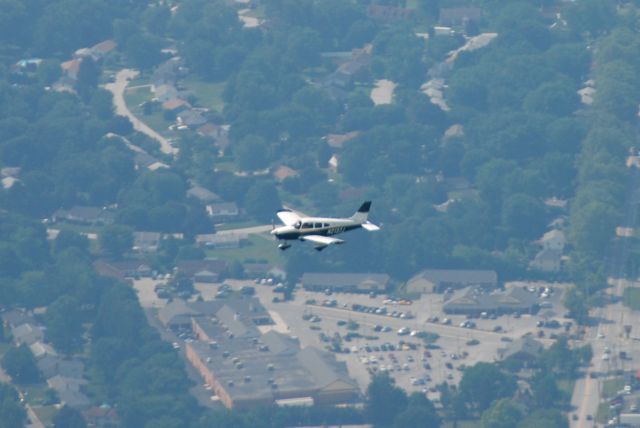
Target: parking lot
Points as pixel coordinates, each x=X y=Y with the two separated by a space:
x=369 y=339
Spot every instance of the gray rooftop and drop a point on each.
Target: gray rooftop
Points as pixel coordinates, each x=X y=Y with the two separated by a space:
x=459 y=276
x=343 y=279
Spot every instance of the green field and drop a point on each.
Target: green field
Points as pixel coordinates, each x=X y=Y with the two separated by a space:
x=631 y=298
x=208 y=94
x=257 y=248
x=610 y=387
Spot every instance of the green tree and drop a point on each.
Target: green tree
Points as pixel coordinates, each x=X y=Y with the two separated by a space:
x=251 y=153
x=12 y=412
x=420 y=413
x=68 y=417
x=64 y=324
x=502 y=414
x=545 y=390
x=20 y=364
x=484 y=383
x=385 y=401
x=262 y=201
x=115 y=240
x=545 y=418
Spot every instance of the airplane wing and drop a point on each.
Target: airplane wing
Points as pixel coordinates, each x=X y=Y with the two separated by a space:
x=370 y=226
x=288 y=217
x=321 y=241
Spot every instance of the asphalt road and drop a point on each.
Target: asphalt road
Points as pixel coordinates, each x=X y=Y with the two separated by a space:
x=117 y=88
x=609 y=333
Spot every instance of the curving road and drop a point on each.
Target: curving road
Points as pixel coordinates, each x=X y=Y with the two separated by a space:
x=117 y=88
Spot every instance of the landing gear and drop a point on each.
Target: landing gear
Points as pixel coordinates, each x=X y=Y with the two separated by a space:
x=320 y=248
x=284 y=246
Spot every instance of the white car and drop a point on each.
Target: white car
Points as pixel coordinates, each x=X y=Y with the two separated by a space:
x=605 y=357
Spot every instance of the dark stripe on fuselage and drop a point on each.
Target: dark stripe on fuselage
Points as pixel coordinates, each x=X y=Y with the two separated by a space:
x=325 y=231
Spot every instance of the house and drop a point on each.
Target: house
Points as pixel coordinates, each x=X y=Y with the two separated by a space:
x=123 y=269
x=440 y=280
x=146 y=242
x=337 y=141
x=27 y=334
x=549 y=258
x=69 y=391
x=71 y=68
x=53 y=365
x=223 y=211
x=458 y=16
x=211 y=130
x=220 y=241
x=351 y=70
x=192 y=118
x=101 y=417
x=553 y=240
x=263 y=270
x=166 y=73
x=143 y=160
x=15 y=317
x=476 y=300
x=202 y=194
x=100 y=50
x=388 y=13
x=176 y=105
x=345 y=282
x=283 y=172
x=40 y=350
x=524 y=349
x=92 y=216
x=190 y=268
x=165 y=92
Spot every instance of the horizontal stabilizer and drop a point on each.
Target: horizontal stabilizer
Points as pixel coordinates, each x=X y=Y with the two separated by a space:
x=370 y=227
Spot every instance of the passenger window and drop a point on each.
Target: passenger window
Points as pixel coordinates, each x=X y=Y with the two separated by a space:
x=325 y=224
x=318 y=225
x=307 y=225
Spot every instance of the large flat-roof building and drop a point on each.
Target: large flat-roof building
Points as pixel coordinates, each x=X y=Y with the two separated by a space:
x=474 y=301
x=440 y=280
x=247 y=368
x=345 y=282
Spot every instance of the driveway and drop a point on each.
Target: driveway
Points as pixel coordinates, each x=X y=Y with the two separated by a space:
x=117 y=88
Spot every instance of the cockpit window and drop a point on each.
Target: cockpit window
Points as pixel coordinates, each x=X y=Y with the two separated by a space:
x=298 y=224
x=307 y=226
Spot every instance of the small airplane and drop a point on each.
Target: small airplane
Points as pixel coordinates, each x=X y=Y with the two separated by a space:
x=319 y=230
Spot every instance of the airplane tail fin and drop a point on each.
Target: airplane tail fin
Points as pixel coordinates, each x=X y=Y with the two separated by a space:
x=363 y=213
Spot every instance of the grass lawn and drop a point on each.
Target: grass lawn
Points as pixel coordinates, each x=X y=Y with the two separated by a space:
x=631 y=298
x=566 y=386
x=155 y=120
x=604 y=414
x=45 y=414
x=610 y=387
x=4 y=347
x=36 y=393
x=208 y=94
x=135 y=97
x=258 y=247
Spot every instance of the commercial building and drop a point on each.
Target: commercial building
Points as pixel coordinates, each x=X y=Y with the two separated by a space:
x=345 y=282
x=440 y=280
x=246 y=368
x=475 y=301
